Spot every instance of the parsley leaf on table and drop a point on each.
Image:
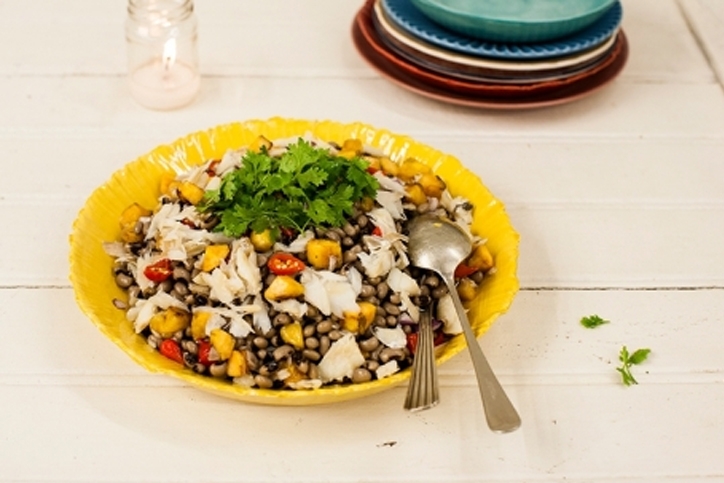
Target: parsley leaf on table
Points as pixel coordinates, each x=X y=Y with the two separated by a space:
x=304 y=187
x=593 y=321
x=628 y=360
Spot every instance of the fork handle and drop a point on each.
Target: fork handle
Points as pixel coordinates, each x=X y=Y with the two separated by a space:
x=423 y=391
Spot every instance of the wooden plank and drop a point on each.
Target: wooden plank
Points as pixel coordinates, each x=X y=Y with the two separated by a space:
x=43 y=106
x=578 y=433
x=539 y=341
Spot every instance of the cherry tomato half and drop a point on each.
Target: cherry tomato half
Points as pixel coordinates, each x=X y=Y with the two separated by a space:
x=282 y=263
x=159 y=271
x=170 y=348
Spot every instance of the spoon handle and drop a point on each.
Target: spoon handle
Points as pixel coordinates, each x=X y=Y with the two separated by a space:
x=423 y=391
x=499 y=411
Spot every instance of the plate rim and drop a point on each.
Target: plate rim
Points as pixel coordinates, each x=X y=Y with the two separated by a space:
x=421 y=27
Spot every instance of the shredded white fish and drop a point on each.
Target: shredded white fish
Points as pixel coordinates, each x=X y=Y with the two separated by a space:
x=448 y=315
x=175 y=239
x=293 y=307
x=238 y=325
x=229 y=161
x=330 y=292
x=340 y=361
x=298 y=245
x=394 y=338
x=409 y=307
x=392 y=202
x=401 y=282
x=261 y=318
x=381 y=257
x=384 y=221
x=314 y=291
x=387 y=369
x=355 y=279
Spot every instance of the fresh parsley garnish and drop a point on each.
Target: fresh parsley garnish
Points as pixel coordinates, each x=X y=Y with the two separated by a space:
x=628 y=360
x=593 y=321
x=304 y=187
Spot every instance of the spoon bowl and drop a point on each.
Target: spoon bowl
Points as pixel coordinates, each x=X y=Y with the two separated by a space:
x=437 y=244
x=440 y=245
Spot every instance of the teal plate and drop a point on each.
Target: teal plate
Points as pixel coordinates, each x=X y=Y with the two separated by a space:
x=515 y=20
x=410 y=19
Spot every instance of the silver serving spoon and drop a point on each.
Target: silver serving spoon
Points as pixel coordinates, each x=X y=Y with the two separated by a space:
x=423 y=391
x=440 y=245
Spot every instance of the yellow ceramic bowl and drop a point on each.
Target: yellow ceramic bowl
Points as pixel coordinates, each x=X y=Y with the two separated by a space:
x=91 y=269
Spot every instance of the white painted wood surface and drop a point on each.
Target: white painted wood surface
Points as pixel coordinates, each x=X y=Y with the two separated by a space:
x=619 y=200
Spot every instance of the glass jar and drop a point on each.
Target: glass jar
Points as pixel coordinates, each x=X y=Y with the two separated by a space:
x=163 y=65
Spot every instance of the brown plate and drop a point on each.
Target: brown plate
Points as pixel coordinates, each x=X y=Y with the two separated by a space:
x=493 y=96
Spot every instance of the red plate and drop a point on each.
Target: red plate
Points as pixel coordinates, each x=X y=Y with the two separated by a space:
x=480 y=94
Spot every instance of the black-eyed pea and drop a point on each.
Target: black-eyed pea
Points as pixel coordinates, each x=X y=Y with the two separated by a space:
x=263 y=382
x=361 y=375
x=311 y=355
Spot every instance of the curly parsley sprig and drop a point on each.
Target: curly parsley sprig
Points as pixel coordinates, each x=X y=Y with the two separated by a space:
x=304 y=187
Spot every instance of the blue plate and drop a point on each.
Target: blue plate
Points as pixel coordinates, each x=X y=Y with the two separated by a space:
x=520 y=21
x=406 y=16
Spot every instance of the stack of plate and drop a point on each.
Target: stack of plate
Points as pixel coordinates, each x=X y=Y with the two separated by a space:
x=480 y=61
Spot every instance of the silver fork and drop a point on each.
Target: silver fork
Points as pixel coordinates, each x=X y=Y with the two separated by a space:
x=423 y=391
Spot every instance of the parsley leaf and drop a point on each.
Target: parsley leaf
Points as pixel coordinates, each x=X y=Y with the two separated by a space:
x=628 y=360
x=303 y=187
x=593 y=321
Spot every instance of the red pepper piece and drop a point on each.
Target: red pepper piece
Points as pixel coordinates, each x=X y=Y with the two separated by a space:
x=204 y=346
x=189 y=223
x=377 y=231
x=211 y=170
x=440 y=338
x=412 y=342
x=288 y=233
x=170 y=348
x=159 y=271
x=282 y=263
x=464 y=270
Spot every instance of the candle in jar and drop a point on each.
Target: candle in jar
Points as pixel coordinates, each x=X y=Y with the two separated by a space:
x=165 y=83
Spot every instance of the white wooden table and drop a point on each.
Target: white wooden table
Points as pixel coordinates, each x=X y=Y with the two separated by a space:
x=619 y=200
